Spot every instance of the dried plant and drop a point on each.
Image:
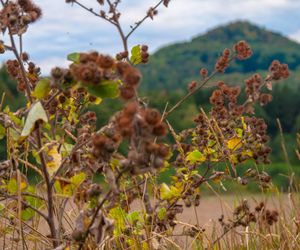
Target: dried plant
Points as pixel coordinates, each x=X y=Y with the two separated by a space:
x=56 y=137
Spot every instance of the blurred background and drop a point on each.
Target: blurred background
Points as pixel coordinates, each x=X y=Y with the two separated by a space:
x=183 y=38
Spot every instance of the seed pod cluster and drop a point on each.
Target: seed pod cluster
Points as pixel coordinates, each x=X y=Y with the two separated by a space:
x=204 y=73
x=279 y=71
x=130 y=76
x=95 y=69
x=227 y=123
x=2 y=47
x=122 y=55
x=142 y=126
x=242 y=50
x=144 y=54
x=14 y=70
x=104 y=146
x=223 y=61
x=148 y=121
x=18 y=15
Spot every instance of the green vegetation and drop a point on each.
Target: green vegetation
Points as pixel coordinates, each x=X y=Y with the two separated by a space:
x=173 y=66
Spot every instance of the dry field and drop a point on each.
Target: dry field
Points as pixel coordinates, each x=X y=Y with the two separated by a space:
x=205 y=216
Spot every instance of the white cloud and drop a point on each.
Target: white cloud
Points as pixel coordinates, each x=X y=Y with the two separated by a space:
x=51 y=62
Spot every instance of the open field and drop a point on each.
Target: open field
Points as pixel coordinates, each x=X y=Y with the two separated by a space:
x=205 y=216
x=211 y=208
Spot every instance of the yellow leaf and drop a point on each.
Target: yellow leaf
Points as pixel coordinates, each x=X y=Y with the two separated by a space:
x=243 y=123
x=164 y=191
x=248 y=152
x=233 y=159
x=234 y=143
x=239 y=132
x=145 y=246
x=12 y=185
x=55 y=160
x=98 y=100
x=168 y=193
x=195 y=156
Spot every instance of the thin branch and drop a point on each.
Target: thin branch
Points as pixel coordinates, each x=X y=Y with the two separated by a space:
x=232 y=226
x=119 y=28
x=14 y=197
x=93 y=12
x=49 y=190
x=138 y=24
x=87 y=232
x=190 y=93
x=62 y=165
x=23 y=71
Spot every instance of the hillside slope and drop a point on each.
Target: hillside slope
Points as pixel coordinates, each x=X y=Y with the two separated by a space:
x=173 y=66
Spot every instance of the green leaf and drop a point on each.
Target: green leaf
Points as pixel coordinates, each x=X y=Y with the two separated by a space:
x=2 y=207
x=33 y=201
x=239 y=132
x=106 y=89
x=27 y=214
x=133 y=217
x=136 y=56
x=12 y=186
x=165 y=191
x=68 y=190
x=195 y=157
x=58 y=187
x=2 y=132
x=162 y=213
x=36 y=156
x=14 y=118
x=13 y=134
x=42 y=89
x=78 y=179
x=169 y=193
x=35 y=114
x=66 y=149
x=74 y=57
x=119 y=215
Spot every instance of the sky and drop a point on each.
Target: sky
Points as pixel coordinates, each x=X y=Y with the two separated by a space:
x=65 y=28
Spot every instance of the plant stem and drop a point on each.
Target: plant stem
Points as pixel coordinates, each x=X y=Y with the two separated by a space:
x=49 y=187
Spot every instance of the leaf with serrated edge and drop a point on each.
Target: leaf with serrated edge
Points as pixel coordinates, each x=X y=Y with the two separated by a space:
x=136 y=56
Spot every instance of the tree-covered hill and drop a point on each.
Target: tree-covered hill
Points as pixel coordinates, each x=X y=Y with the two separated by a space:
x=175 y=65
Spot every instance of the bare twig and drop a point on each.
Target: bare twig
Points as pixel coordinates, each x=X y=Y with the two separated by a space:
x=138 y=24
x=23 y=71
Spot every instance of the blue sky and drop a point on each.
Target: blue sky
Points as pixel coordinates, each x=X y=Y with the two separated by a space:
x=65 y=29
